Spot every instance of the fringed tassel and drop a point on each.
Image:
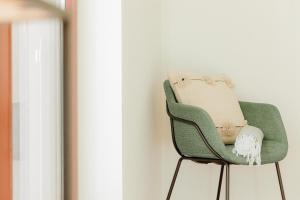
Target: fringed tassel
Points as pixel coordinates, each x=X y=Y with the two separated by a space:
x=248 y=144
x=182 y=80
x=209 y=80
x=229 y=83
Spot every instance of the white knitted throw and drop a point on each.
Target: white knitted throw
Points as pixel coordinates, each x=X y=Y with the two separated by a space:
x=248 y=144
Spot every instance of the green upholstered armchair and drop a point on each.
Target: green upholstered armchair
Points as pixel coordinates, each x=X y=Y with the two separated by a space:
x=196 y=138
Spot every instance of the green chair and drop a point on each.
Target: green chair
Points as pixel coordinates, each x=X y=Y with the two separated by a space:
x=195 y=137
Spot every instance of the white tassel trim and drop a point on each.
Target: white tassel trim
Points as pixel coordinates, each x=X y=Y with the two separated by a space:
x=248 y=144
x=183 y=80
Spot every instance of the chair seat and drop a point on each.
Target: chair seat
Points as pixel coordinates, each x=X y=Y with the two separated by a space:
x=272 y=151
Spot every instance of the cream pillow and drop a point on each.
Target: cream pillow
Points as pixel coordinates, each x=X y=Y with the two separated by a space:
x=215 y=95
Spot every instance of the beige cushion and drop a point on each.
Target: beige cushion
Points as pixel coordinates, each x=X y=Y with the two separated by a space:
x=214 y=94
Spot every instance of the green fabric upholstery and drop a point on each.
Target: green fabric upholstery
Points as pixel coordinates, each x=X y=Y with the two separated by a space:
x=189 y=142
x=267 y=118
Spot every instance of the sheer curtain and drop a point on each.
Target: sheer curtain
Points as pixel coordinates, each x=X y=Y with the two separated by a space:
x=37 y=114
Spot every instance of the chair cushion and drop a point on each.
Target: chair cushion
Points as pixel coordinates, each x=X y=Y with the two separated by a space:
x=215 y=95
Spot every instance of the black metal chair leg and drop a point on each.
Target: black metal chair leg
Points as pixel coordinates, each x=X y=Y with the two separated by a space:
x=227 y=181
x=280 y=181
x=220 y=182
x=174 y=178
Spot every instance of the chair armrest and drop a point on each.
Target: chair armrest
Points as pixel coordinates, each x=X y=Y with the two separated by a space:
x=200 y=119
x=266 y=117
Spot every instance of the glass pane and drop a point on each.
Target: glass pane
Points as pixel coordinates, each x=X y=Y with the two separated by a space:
x=37 y=111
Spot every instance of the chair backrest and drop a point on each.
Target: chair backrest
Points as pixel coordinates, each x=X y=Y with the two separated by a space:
x=183 y=133
x=169 y=92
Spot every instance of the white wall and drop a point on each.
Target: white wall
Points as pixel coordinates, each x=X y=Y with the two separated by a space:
x=100 y=148
x=257 y=43
x=99 y=100
x=142 y=95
